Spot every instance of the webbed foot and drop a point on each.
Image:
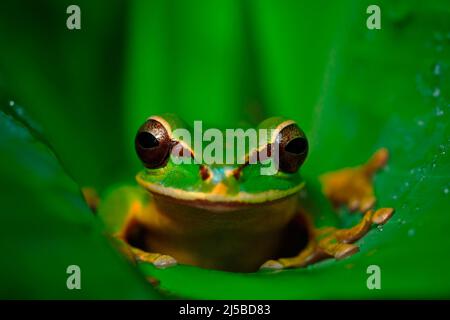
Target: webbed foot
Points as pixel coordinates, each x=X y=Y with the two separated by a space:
x=330 y=242
x=353 y=187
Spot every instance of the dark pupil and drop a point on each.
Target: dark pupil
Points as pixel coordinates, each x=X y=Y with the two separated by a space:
x=297 y=145
x=147 y=140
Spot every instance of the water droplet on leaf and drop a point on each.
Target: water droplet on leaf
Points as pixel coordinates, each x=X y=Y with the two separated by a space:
x=437 y=69
x=436 y=92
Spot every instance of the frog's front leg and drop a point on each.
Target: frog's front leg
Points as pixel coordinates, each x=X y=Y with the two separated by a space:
x=352 y=187
x=159 y=260
x=330 y=242
x=120 y=211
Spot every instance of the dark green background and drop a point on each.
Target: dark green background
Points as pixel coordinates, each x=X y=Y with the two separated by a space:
x=351 y=89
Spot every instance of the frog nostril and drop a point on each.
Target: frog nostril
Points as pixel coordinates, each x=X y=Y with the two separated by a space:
x=204 y=172
x=237 y=173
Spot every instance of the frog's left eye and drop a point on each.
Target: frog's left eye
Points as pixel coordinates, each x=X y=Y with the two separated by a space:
x=153 y=144
x=293 y=148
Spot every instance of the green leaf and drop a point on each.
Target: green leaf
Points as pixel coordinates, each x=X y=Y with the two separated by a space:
x=70 y=81
x=46 y=227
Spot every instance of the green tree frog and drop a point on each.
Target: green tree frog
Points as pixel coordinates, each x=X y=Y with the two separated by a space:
x=229 y=216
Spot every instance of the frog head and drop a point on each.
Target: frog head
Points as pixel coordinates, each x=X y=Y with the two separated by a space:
x=174 y=169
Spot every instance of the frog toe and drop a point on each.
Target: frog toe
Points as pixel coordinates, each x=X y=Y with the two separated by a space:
x=367 y=202
x=353 y=204
x=353 y=187
x=345 y=250
x=381 y=216
x=271 y=265
x=158 y=260
x=164 y=261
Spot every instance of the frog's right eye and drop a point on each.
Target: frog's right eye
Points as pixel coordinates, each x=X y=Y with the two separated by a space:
x=153 y=144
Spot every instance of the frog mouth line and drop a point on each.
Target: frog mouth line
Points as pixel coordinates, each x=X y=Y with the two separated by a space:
x=241 y=198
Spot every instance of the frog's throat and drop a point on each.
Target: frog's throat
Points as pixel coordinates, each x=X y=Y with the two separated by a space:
x=240 y=197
